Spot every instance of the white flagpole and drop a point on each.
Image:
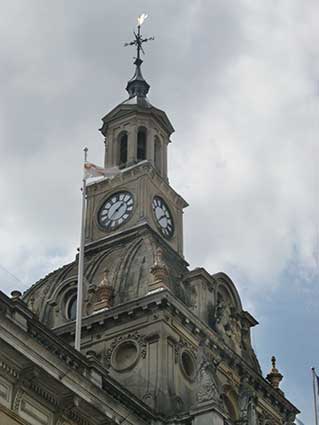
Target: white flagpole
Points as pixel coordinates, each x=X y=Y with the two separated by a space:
x=78 y=323
x=314 y=394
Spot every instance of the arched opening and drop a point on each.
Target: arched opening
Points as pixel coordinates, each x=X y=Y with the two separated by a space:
x=230 y=409
x=71 y=307
x=231 y=403
x=141 y=144
x=123 y=149
x=157 y=153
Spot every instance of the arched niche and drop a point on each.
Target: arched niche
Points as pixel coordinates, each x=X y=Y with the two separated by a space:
x=141 y=143
x=230 y=400
x=226 y=289
x=228 y=312
x=122 y=148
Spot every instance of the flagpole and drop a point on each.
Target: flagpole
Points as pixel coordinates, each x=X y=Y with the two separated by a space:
x=78 y=323
x=314 y=394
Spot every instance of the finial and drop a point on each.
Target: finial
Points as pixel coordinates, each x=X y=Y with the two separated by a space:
x=105 y=280
x=85 y=150
x=159 y=257
x=274 y=377
x=104 y=292
x=16 y=295
x=137 y=86
x=159 y=270
x=273 y=361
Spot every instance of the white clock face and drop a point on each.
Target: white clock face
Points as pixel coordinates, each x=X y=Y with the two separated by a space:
x=116 y=210
x=163 y=217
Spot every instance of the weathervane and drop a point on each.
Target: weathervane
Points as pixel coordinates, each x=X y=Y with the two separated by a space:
x=137 y=86
x=139 y=40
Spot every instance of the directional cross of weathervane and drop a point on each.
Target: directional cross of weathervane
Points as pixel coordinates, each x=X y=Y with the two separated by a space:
x=139 y=40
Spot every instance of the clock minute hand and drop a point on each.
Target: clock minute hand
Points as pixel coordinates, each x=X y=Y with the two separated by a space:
x=161 y=217
x=117 y=209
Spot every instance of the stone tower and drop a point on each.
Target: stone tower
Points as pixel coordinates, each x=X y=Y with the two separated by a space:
x=177 y=339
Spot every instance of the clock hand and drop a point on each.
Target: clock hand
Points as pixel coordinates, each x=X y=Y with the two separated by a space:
x=117 y=209
x=162 y=216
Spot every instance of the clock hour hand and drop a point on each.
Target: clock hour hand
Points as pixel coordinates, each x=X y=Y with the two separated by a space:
x=161 y=217
x=117 y=209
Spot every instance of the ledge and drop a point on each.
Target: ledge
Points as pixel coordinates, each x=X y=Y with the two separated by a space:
x=166 y=300
x=61 y=356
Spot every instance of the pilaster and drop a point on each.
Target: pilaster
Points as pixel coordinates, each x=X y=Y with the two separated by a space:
x=131 y=145
x=150 y=145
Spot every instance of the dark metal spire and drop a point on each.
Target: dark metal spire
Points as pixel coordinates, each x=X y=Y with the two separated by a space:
x=137 y=86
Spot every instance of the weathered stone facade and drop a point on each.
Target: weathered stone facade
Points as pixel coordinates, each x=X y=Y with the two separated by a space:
x=44 y=381
x=160 y=343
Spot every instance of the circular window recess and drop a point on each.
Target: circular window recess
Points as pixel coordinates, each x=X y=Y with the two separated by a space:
x=125 y=356
x=188 y=365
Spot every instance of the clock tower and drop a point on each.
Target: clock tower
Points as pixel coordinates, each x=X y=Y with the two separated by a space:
x=137 y=207
x=176 y=341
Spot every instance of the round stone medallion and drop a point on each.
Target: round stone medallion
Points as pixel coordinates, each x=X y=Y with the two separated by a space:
x=125 y=356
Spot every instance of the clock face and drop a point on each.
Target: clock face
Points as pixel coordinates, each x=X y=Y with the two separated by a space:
x=116 y=210
x=163 y=217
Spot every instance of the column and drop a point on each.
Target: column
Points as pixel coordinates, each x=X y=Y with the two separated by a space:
x=131 y=145
x=150 y=145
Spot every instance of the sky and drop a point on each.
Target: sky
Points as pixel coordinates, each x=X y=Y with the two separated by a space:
x=239 y=81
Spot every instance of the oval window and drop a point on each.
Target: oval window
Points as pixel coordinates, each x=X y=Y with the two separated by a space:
x=188 y=365
x=71 y=308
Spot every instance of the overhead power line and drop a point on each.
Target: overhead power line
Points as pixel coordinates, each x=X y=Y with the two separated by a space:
x=11 y=274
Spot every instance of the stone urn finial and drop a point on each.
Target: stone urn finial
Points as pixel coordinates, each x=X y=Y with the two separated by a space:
x=159 y=258
x=159 y=270
x=274 y=376
x=16 y=295
x=104 y=293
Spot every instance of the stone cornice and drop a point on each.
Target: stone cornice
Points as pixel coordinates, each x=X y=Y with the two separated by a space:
x=15 y=310
x=137 y=170
x=165 y=300
x=124 y=110
x=13 y=415
x=130 y=234
x=61 y=361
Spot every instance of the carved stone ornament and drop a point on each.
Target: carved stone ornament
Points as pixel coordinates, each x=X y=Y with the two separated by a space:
x=290 y=419
x=247 y=403
x=17 y=399
x=228 y=323
x=8 y=369
x=69 y=410
x=206 y=377
x=265 y=419
x=159 y=270
x=134 y=337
